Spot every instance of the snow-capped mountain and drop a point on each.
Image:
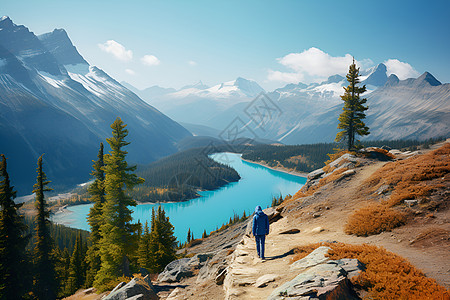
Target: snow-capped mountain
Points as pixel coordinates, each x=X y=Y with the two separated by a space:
x=200 y=104
x=309 y=113
x=400 y=109
x=52 y=101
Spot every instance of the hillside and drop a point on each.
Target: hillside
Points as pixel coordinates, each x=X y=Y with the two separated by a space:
x=53 y=101
x=321 y=215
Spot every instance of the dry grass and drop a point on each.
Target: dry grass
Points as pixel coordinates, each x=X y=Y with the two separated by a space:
x=373 y=219
x=324 y=181
x=410 y=178
x=387 y=275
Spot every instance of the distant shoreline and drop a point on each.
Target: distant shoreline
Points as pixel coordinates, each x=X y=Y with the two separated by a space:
x=280 y=169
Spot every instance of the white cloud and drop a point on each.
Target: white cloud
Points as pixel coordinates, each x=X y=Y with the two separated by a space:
x=313 y=65
x=401 y=69
x=192 y=63
x=150 y=60
x=116 y=49
x=131 y=72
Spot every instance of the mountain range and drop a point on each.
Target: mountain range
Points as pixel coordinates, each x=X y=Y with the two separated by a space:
x=53 y=101
x=415 y=108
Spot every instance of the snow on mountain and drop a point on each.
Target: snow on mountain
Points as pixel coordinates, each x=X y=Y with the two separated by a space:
x=53 y=101
x=401 y=109
x=239 y=88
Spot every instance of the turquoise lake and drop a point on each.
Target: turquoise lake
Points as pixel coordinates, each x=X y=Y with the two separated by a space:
x=257 y=186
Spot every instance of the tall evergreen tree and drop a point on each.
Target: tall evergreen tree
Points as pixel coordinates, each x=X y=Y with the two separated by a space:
x=97 y=191
x=351 y=118
x=144 y=252
x=13 y=240
x=118 y=235
x=76 y=270
x=45 y=284
x=162 y=241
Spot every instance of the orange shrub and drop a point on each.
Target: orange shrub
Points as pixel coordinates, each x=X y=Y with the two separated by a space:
x=332 y=177
x=373 y=219
x=409 y=177
x=387 y=275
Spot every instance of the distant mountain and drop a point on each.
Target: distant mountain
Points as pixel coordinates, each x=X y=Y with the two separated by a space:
x=52 y=101
x=401 y=109
x=199 y=104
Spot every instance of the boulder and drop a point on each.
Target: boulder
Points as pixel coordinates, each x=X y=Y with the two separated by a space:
x=265 y=279
x=182 y=268
x=136 y=289
x=320 y=278
x=273 y=214
x=315 y=174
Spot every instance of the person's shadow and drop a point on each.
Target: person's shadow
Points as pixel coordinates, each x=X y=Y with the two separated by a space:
x=290 y=252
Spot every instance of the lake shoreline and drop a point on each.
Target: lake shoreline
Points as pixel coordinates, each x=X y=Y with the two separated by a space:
x=279 y=169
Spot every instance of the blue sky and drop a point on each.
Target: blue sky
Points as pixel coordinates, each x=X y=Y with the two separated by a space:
x=175 y=43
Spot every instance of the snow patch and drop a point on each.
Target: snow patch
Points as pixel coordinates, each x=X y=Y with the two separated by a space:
x=81 y=69
x=56 y=81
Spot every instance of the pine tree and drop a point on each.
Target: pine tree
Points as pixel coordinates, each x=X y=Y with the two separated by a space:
x=188 y=239
x=204 y=235
x=118 y=239
x=351 y=118
x=45 y=284
x=97 y=192
x=13 y=240
x=162 y=241
x=144 y=252
x=76 y=270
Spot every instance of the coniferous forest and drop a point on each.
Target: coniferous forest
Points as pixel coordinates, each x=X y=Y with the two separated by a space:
x=41 y=260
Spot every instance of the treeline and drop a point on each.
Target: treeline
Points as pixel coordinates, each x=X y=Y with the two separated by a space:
x=179 y=176
x=40 y=260
x=306 y=158
x=64 y=237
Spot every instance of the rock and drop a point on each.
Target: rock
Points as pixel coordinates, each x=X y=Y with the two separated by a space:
x=383 y=189
x=315 y=174
x=316 y=215
x=175 y=294
x=273 y=214
x=265 y=279
x=411 y=202
x=89 y=291
x=343 y=159
x=182 y=268
x=320 y=278
x=317 y=230
x=291 y=231
x=221 y=276
x=136 y=289
x=314 y=258
x=348 y=173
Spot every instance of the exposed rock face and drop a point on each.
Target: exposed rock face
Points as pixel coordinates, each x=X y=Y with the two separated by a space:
x=136 y=289
x=182 y=268
x=320 y=277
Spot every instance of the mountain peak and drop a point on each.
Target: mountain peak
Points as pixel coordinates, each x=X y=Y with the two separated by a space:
x=249 y=87
x=378 y=77
x=5 y=19
x=428 y=78
x=60 y=45
x=198 y=85
x=392 y=80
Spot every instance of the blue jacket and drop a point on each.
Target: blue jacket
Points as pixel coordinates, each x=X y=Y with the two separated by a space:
x=260 y=222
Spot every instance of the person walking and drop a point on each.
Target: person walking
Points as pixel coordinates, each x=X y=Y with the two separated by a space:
x=260 y=229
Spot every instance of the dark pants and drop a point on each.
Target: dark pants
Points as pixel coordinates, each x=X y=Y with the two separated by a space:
x=260 y=240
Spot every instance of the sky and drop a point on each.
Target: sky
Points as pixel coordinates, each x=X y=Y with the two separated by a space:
x=177 y=43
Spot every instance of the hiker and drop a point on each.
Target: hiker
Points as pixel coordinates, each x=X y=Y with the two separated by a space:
x=260 y=230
